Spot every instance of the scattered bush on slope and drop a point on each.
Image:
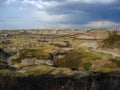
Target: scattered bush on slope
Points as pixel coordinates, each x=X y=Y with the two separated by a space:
x=113 y=41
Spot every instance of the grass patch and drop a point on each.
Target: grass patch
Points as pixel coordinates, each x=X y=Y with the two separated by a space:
x=31 y=53
x=85 y=59
x=91 y=56
x=37 y=70
x=7 y=72
x=76 y=58
x=71 y=60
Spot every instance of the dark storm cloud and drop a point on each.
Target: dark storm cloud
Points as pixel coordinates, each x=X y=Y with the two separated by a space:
x=84 y=12
x=77 y=13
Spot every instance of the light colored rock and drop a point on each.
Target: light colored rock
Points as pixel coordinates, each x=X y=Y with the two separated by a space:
x=21 y=71
x=33 y=61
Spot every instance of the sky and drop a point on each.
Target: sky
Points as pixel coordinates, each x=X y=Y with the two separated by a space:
x=82 y=14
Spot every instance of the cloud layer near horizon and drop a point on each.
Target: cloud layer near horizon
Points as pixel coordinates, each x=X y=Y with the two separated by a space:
x=84 y=14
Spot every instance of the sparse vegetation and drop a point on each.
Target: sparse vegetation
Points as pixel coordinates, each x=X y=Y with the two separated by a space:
x=116 y=61
x=4 y=72
x=79 y=58
x=69 y=50
x=113 y=41
x=37 y=70
x=31 y=53
x=71 y=60
x=87 y=60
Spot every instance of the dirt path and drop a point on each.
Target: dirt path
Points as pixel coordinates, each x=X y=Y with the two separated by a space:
x=114 y=54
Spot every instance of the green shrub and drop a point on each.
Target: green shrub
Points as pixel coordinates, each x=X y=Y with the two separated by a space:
x=75 y=58
x=87 y=65
x=92 y=56
x=115 y=61
x=71 y=60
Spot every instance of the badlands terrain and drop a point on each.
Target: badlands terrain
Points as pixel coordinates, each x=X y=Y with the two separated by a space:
x=58 y=52
x=60 y=59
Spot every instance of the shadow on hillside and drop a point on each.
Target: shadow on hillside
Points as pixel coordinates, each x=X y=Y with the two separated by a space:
x=95 y=81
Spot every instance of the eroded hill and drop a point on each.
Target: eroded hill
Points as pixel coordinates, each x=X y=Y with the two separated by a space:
x=60 y=52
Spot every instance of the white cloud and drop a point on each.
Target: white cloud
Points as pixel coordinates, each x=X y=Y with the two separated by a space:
x=43 y=16
x=102 y=24
x=60 y=13
x=10 y=2
x=33 y=3
x=41 y=5
x=94 y=1
x=65 y=25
